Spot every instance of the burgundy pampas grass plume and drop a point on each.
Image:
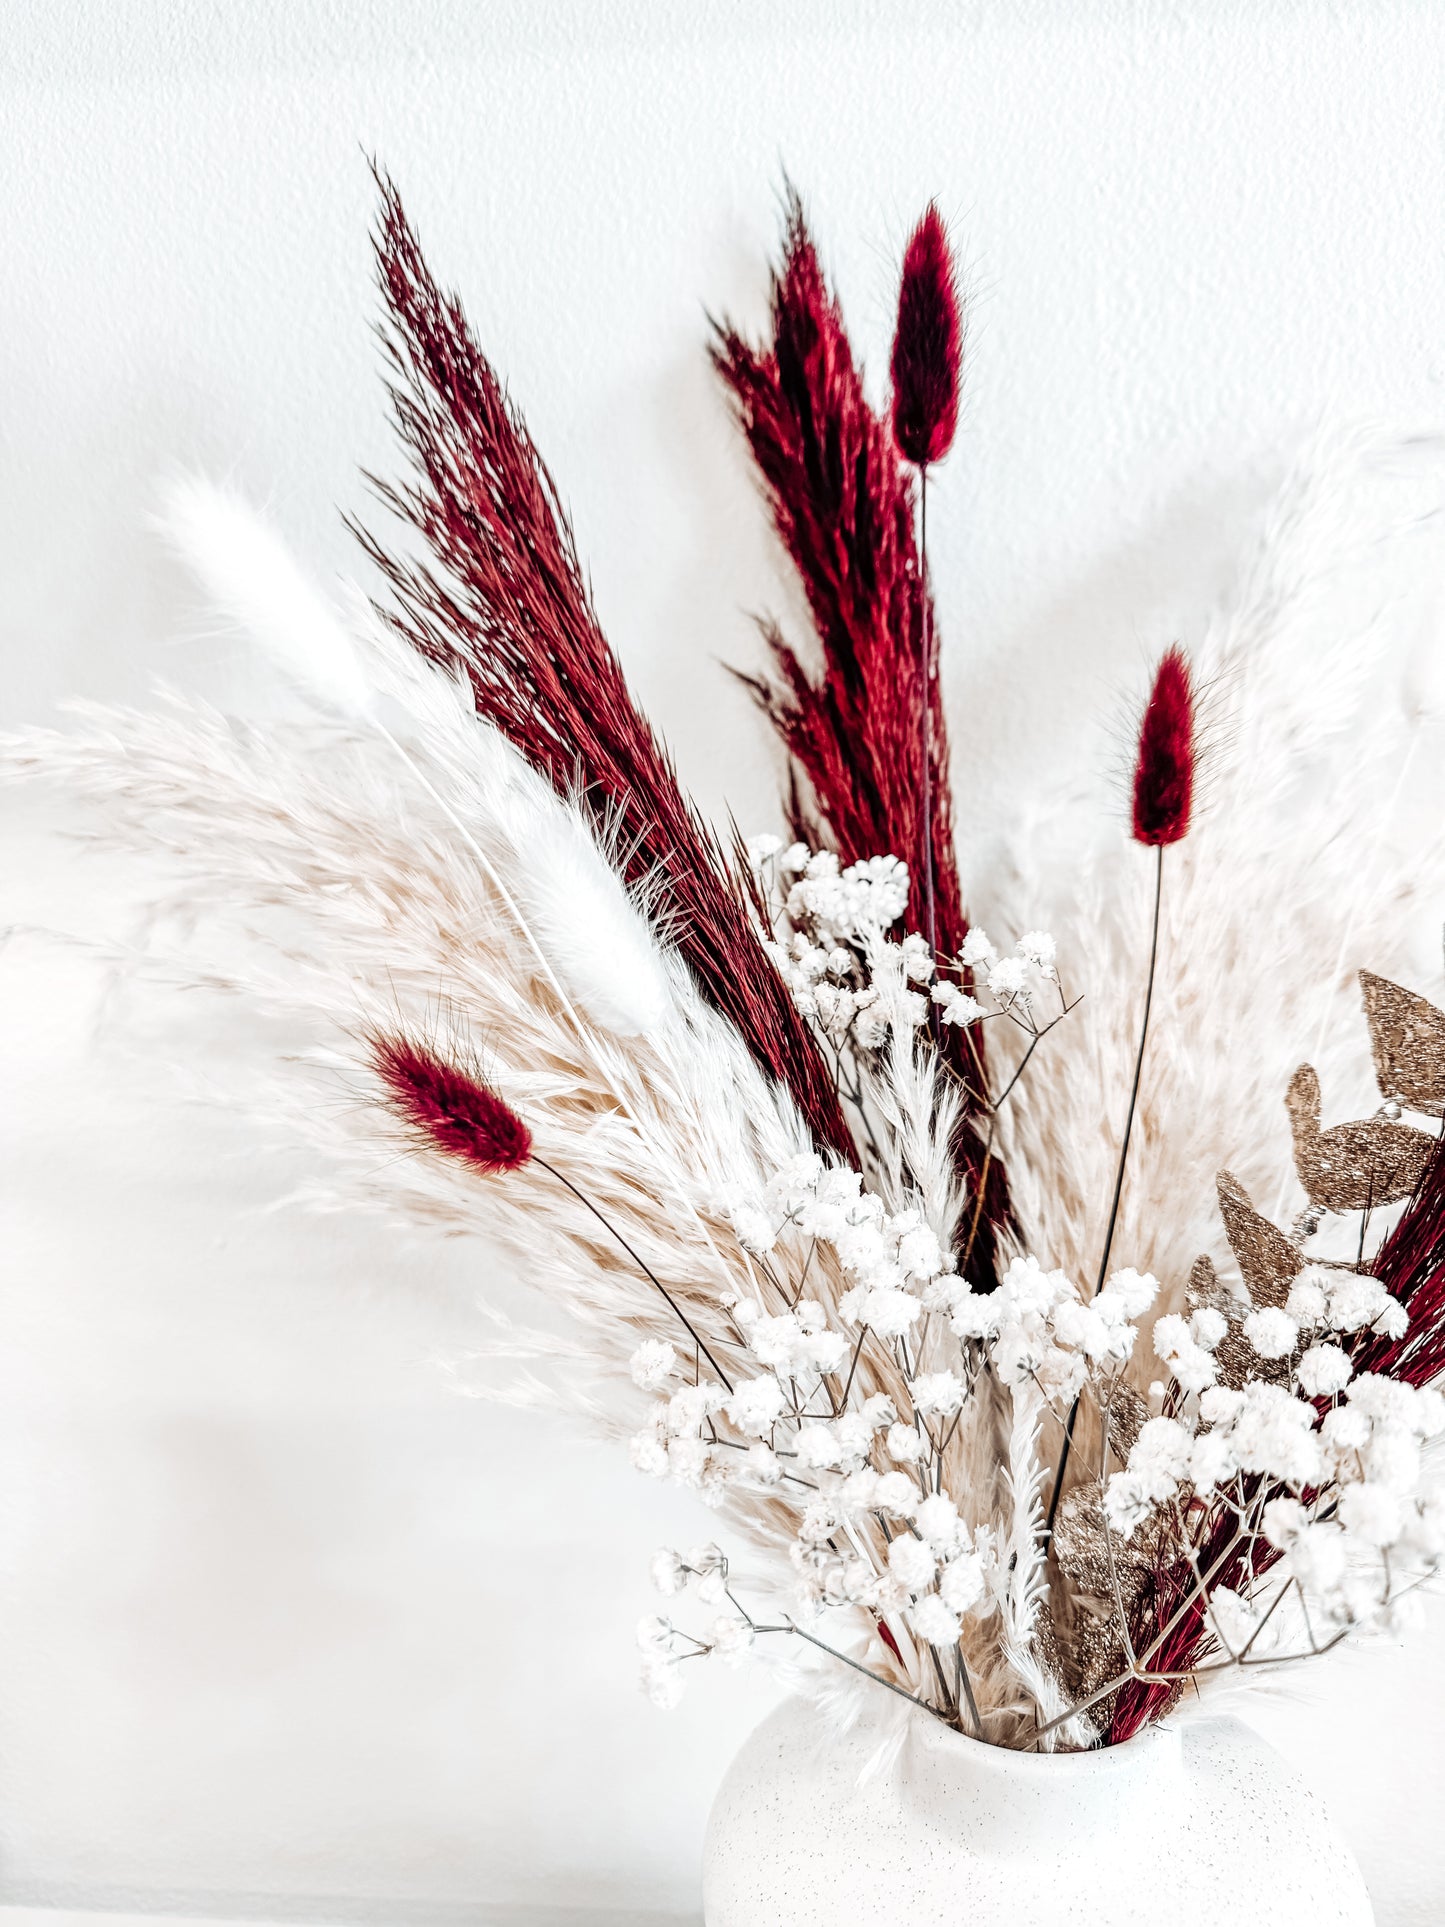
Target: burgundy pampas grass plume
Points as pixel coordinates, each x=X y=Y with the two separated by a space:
x=448 y=1106
x=841 y=499
x=927 y=346
x=842 y=505
x=501 y=597
x=1164 y=765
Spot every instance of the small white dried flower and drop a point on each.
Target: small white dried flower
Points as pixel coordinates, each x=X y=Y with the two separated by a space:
x=937 y=1519
x=1038 y=948
x=752 y=1228
x=687 y=1460
x=1007 y=978
x=933 y=1622
x=731 y=1638
x=1282 y=1521
x=1308 y=1300
x=1158 y=1462
x=689 y=1407
x=756 y=1405
x=652 y=1364
x=891 y=1313
x=854 y=1436
x=1322 y=1371
x=1272 y=1332
x=662 y=1681
x=818 y=1523
x=648 y=1454
x=975 y=1314
x=895 y=1493
x=1134 y=1291
x=654 y=1634
x=709 y=1567
x=904 y=1443
x=1372 y=1513
x=912 y=1562
x=1190 y=1364
x=669 y=1574
x=917 y=959
x=961 y=1583
x=955 y=1005
x=817 y=1447
x=940 y=1392
x=1208 y=1327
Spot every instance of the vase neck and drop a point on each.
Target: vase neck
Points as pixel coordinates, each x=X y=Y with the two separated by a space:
x=1030 y=1800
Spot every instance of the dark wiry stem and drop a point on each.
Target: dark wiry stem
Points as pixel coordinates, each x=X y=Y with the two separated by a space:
x=644 y=1268
x=1057 y=1493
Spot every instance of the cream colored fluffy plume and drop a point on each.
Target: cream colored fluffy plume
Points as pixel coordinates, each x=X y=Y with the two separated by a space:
x=393 y=863
x=1300 y=833
x=328 y=889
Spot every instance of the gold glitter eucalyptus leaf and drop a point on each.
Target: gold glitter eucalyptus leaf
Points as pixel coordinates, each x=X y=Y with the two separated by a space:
x=1267 y=1260
x=1407 y=1040
x=1352 y=1167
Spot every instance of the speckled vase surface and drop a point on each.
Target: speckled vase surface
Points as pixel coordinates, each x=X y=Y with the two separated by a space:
x=1202 y=1825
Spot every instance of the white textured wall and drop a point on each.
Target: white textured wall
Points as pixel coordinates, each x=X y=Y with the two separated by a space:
x=279 y=1616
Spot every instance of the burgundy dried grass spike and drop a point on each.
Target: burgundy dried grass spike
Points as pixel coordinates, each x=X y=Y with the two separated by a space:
x=503 y=600
x=842 y=505
x=449 y=1106
x=1171 y=1594
x=1411 y=1266
x=927 y=346
x=1164 y=766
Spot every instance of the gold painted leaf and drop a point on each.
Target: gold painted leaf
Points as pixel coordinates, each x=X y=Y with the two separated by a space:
x=1352 y=1167
x=1266 y=1258
x=1407 y=1039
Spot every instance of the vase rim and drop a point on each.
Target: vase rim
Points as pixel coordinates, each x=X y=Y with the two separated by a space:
x=1096 y=1762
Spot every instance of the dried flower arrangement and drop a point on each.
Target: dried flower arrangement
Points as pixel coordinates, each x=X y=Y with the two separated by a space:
x=1020 y=1449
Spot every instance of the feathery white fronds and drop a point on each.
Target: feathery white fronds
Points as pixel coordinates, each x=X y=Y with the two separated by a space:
x=920 y=1108
x=1024 y=1567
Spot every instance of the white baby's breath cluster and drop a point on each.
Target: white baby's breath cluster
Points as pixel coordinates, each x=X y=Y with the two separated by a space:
x=846 y=1408
x=878 y=1531
x=1325 y=1465
x=830 y=942
x=1038 y=1327
x=703 y=1574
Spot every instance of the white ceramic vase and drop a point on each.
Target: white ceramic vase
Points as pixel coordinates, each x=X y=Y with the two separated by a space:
x=1200 y=1825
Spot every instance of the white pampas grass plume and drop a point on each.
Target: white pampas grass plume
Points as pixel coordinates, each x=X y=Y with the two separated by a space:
x=595 y=936
x=566 y=896
x=252 y=581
